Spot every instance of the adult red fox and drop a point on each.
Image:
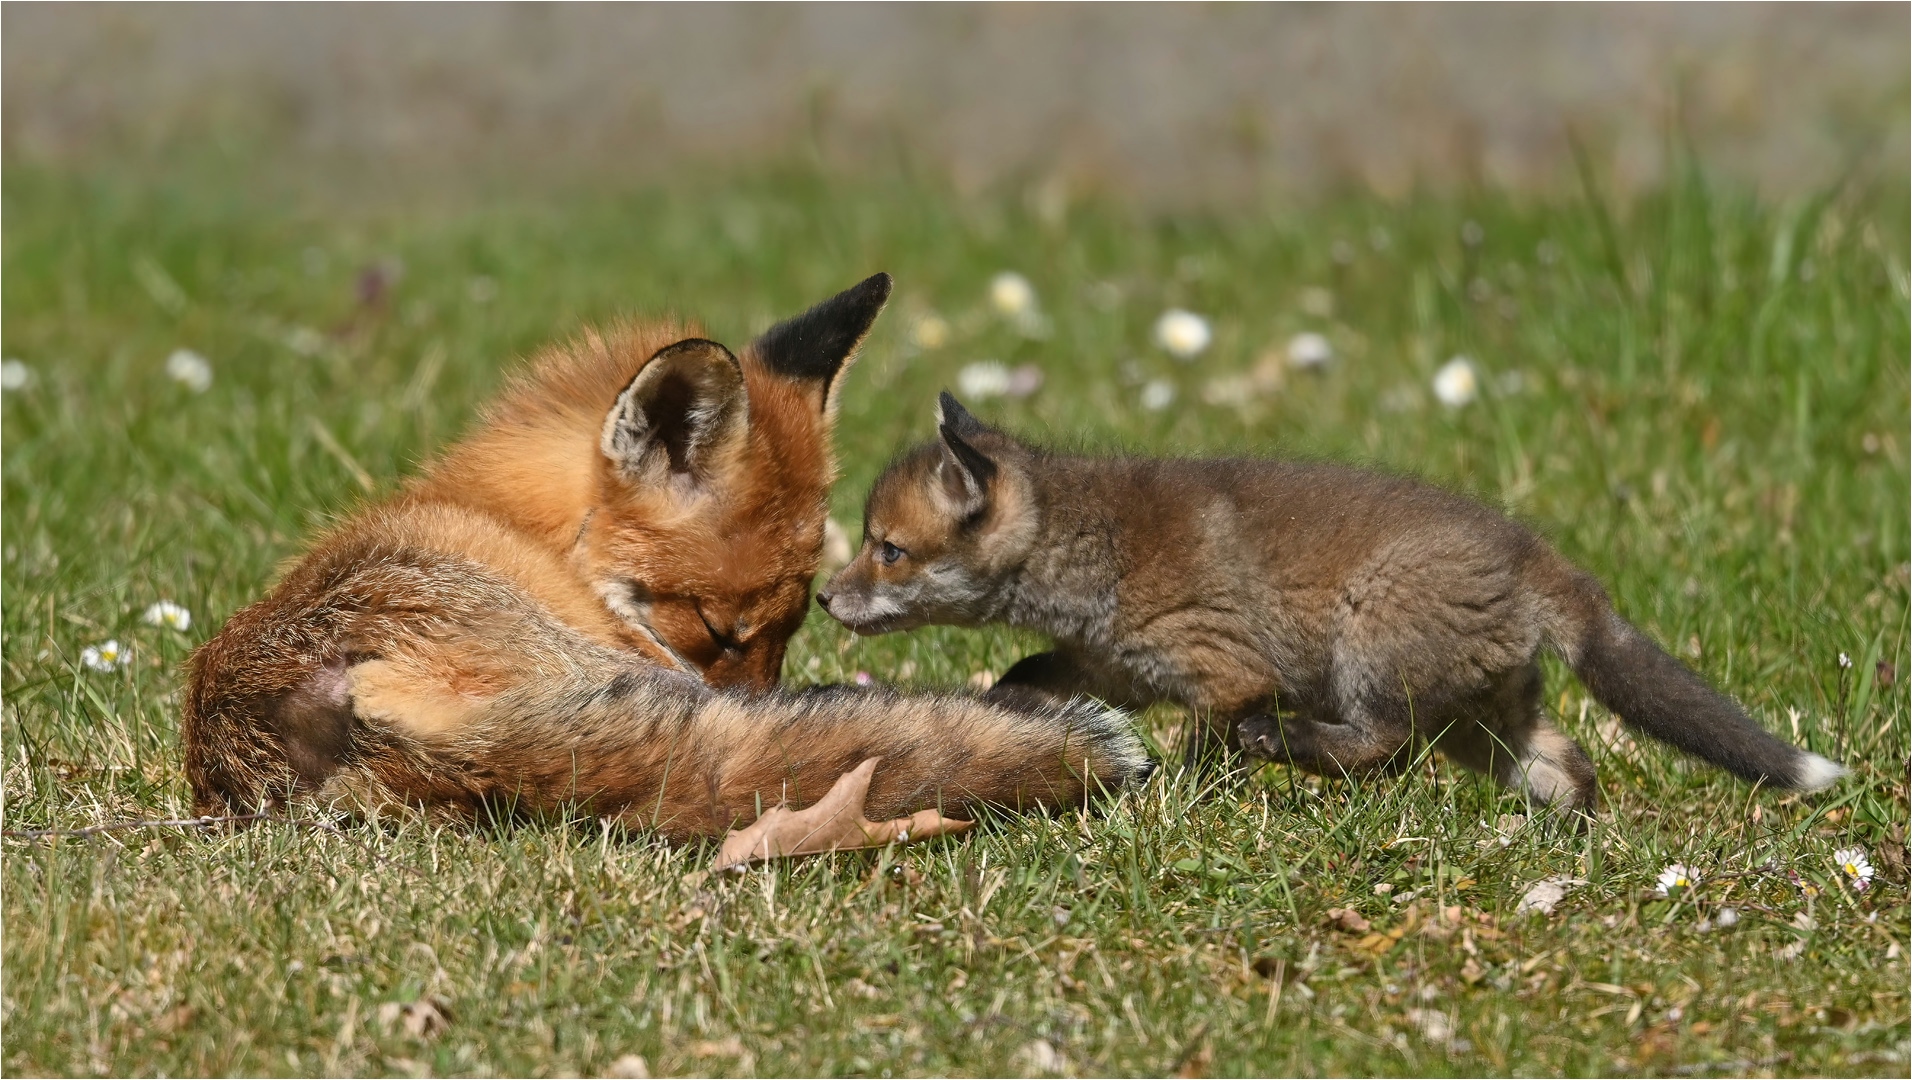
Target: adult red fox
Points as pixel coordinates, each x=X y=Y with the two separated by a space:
x=585 y=603
x=1376 y=611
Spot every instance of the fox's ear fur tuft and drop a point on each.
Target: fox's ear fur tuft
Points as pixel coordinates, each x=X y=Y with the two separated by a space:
x=951 y=414
x=816 y=345
x=683 y=409
x=965 y=472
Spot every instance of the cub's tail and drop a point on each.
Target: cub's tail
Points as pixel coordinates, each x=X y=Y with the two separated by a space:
x=686 y=761
x=1654 y=692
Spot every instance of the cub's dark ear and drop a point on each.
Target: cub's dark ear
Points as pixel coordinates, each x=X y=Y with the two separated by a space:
x=679 y=415
x=951 y=414
x=965 y=472
x=817 y=345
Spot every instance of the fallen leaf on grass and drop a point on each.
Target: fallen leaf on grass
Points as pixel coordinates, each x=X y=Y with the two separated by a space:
x=1376 y=944
x=833 y=823
x=1348 y=921
x=1545 y=894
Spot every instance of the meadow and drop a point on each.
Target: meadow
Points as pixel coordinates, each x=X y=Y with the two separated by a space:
x=1698 y=394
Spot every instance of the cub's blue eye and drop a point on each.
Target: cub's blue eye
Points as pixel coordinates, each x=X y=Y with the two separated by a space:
x=889 y=553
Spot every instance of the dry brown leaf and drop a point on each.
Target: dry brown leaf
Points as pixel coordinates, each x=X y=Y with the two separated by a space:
x=833 y=823
x=1348 y=921
x=1376 y=944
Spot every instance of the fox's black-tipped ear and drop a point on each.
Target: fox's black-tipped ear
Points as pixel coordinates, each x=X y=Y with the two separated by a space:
x=966 y=472
x=951 y=414
x=684 y=408
x=817 y=345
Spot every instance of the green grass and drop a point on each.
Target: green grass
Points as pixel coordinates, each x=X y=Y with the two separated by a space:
x=1711 y=414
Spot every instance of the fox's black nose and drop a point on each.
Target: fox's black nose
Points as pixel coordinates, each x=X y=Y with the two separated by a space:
x=823 y=600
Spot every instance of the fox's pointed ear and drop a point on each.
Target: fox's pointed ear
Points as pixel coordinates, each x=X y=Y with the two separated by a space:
x=951 y=414
x=966 y=472
x=816 y=346
x=685 y=408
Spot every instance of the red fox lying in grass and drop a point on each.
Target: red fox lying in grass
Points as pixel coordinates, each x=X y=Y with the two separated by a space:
x=585 y=603
x=1377 y=611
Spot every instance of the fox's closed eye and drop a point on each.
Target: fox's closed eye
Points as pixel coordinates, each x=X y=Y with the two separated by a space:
x=889 y=553
x=727 y=642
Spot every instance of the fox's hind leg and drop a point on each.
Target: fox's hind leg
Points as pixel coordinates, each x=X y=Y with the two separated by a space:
x=1503 y=734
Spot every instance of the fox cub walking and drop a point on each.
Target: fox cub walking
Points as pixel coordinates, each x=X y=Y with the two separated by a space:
x=1376 y=610
x=544 y=618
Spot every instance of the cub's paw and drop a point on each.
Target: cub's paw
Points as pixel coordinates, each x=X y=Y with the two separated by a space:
x=1261 y=738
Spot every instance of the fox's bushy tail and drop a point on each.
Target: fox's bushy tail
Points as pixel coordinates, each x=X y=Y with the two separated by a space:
x=687 y=761
x=1649 y=689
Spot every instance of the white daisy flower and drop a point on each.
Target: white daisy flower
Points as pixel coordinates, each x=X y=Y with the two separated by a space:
x=1726 y=918
x=168 y=614
x=1855 y=866
x=930 y=332
x=1456 y=384
x=189 y=369
x=15 y=374
x=1183 y=333
x=1011 y=294
x=1677 y=877
x=1159 y=394
x=103 y=657
x=1309 y=350
x=983 y=379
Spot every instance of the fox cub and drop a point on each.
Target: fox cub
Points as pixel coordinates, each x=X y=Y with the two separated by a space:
x=585 y=603
x=1377 y=611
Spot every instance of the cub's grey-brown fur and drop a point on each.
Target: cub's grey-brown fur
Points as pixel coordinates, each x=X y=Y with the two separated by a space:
x=1374 y=610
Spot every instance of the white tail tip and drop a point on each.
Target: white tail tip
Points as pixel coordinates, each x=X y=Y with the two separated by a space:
x=1816 y=772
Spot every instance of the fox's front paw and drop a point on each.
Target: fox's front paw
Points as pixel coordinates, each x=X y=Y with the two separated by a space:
x=1261 y=738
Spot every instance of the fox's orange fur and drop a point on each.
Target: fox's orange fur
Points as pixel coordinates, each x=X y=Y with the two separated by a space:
x=586 y=602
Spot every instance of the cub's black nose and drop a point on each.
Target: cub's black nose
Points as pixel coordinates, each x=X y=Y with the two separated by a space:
x=823 y=600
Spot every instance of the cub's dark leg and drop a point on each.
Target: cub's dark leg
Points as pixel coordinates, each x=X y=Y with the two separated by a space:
x=1044 y=678
x=1503 y=733
x=1054 y=677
